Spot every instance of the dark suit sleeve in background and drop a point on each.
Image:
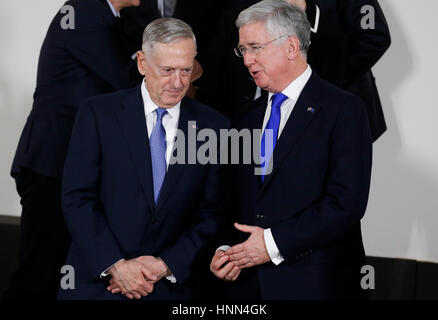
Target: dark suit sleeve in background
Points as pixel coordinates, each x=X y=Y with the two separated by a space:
x=365 y=46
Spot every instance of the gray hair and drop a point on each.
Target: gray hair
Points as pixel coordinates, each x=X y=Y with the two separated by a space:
x=281 y=18
x=165 y=30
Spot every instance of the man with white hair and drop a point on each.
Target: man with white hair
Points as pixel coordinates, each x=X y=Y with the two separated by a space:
x=138 y=220
x=298 y=234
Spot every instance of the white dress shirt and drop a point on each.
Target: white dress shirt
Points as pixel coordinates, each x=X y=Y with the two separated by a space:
x=170 y=124
x=292 y=91
x=170 y=120
x=113 y=10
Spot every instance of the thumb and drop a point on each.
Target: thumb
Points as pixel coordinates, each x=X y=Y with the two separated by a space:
x=147 y=273
x=245 y=228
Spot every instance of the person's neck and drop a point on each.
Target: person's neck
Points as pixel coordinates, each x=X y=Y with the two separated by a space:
x=293 y=74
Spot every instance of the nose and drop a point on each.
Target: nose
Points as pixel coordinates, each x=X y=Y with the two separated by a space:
x=248 y=59
x=177 y=81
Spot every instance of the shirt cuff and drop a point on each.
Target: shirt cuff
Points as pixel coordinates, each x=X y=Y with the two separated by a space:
x=171 y=278
x=274 y=253
x=105 y=273
x=223 y=248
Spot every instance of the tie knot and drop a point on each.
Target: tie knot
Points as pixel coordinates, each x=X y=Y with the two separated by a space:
x=278 y=99
x=160 y=113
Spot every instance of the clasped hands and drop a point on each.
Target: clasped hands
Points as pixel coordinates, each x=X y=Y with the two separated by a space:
x=135 y=278
x=227 y=265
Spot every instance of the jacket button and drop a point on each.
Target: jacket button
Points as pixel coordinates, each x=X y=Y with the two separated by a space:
x=260 y=217
x=154 y=221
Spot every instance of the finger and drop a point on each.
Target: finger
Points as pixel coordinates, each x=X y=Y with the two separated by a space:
x=232 y=273
x=225 y=270
x=116 y=290
x=235 y=249
x=236 y=276
x=245 y=228
x=237 y=256
x=147 y=273
x=112 y=287
x=219 y=253
x=129 y=296
x=241 y=262
x=219 y=262
x=143 y=293
x=246 y=265
x=136 y=295
x=148 y=287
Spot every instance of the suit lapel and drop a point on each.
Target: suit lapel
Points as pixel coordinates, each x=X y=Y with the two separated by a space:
x=133 y=123
x=302 y=114
x=255 y=122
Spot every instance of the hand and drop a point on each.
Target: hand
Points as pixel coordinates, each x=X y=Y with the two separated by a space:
x=251 y=252
x=298 y=3
x=130 y=277
x=227 y=272
x=158 y=267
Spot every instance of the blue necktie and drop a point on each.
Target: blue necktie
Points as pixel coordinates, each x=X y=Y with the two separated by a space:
x=273 y=124
x=158 y=153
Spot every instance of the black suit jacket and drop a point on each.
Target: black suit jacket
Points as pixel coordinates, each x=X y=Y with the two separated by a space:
x=108 y=198
x=343 y=53
x=201 y=15
x=313 y=200
x=74 y=64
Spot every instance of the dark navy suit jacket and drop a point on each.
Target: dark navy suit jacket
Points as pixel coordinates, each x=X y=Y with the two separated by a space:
x=108 y=196
x=74 y=64
x=313 y=200
x=343 y=52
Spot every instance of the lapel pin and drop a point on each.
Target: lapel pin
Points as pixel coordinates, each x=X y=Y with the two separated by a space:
x=310 y=109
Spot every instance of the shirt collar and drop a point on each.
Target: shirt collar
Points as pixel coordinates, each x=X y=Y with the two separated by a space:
x=293 y=90
x=113 y=10
x=150 y=106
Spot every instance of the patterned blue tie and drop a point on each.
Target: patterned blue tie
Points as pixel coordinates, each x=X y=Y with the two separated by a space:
x=273 y=124
x=158 y=153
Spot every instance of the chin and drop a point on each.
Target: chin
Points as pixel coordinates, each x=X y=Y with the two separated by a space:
x=260 y=83
x=172 y=102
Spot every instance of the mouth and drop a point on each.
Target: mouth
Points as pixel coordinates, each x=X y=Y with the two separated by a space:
x=255 y=73
x=174 y=92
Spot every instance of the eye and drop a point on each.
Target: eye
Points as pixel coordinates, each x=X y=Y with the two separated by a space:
x=256 y=49
x=166 y=71
x=186 y=71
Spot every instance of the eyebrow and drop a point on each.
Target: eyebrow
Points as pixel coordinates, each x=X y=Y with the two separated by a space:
x=169 y=67
x=249 y=44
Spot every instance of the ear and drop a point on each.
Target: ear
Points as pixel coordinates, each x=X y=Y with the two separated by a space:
x=141 y=62
x=293 y=48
